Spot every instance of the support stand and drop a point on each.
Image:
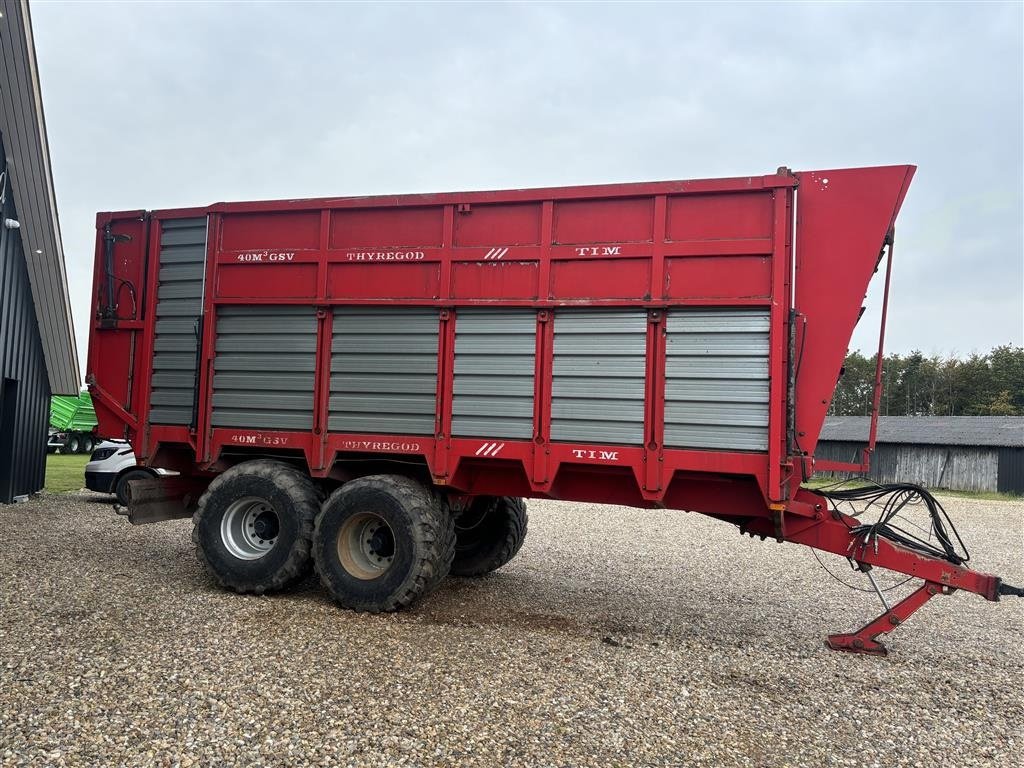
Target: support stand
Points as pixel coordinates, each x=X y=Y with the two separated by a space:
x=865 y=640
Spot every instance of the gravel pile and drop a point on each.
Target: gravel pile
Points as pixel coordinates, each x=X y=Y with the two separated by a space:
x=617 y=637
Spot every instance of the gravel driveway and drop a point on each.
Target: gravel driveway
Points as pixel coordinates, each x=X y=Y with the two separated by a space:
x=617 y=637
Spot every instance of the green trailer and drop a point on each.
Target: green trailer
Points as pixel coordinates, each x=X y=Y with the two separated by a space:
x=72 y=424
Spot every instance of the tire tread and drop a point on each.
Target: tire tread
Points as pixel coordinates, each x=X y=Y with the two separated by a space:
x=514 y=534
x=298 y=564
x=434 y=531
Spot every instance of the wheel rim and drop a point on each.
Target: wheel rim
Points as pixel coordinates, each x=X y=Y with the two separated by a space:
x=249 y=528
x=366 y=546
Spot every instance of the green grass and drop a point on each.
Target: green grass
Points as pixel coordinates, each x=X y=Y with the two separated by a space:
x=823 y=482
x=816 y=483
x=65 y=472
x=983 y=495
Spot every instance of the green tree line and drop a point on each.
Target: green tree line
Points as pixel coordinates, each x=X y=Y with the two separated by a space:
x=915 y=385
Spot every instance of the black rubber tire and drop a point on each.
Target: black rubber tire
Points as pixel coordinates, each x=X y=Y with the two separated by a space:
x=296 y=501
x=87 y=444
x=424 y=542
x=121 y=486
x=488 y=535
x=72 y=444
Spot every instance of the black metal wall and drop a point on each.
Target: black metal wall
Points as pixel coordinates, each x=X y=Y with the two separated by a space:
x=1011 y=470
x=24 y=386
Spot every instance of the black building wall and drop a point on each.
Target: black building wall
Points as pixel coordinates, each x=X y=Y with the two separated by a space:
x=24 y=386
x=1011 y=470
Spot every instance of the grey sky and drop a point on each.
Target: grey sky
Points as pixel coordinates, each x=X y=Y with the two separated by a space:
x=156 y=106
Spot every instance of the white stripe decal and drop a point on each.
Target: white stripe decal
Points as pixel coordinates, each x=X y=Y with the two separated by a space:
x=495 y=254
x=490 y=447
x=480 y=449
x=497 y=450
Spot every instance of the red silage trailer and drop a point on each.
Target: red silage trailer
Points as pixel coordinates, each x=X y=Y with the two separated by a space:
x=371 y=385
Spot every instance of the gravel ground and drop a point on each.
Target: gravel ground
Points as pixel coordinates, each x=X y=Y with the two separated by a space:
x=617 y=637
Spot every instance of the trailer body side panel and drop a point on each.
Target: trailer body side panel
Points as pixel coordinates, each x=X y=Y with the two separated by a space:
x=630 y=342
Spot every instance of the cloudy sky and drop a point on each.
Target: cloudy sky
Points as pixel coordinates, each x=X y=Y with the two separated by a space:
x=156 y=106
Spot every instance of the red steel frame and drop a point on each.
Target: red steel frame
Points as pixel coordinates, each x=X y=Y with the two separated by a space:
x=876 y=396
x=843 y=218
x=652 y=465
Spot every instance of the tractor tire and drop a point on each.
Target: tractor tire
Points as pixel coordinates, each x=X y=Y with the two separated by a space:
x=121 y=489
x=87 y=444
x=382 y=542
x=72 y=444
x=253 y=527
x=489 y=534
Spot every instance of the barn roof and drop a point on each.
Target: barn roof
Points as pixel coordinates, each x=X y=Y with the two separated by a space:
x=994 y=431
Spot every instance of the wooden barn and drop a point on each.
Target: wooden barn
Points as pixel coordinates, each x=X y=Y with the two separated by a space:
x=964 y=453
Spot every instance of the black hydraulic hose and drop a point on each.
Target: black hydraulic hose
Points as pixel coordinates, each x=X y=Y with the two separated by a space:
x=110 y=310
x=894 y=498
x=109 y=239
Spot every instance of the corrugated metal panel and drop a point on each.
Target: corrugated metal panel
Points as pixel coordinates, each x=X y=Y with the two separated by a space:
x=716 y=379
x=1011 y=471
x=494 y=370
x=30 y=186
x=265 y=368
x=178 y=308
x=384 y=370
x=24 y=385
x=597 y=390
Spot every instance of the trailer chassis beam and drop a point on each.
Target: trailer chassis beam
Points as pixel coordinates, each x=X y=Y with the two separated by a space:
x=831 y=532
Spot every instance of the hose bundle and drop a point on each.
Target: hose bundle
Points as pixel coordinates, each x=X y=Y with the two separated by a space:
x=943 y=541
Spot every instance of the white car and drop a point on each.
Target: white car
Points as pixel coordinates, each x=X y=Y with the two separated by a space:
x=112 y=465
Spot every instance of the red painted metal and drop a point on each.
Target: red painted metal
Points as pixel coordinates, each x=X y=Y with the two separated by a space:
x=876 y=399
x=658 y=246
x=865 y=640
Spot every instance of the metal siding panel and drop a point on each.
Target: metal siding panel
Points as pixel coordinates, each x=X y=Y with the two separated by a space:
x=1011 y=471
x=494 y=372
x=599 y=376
x=380 y=423
x=268 y=382
x=181 y=308
x=178 y=308
x=384 y=370
x=186 y=289
x=183 y=237
x=264 y=381
x=372 y=365
x=22 y=360
x=716 y=379
x=187 y=271
x=29 y=183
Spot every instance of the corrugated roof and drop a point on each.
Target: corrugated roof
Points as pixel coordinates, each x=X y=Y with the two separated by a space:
x=993 y=431
x=28 y=167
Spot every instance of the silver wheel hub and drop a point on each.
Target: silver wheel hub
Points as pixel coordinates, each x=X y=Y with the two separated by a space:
x=249 y=528
x=366 y=546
